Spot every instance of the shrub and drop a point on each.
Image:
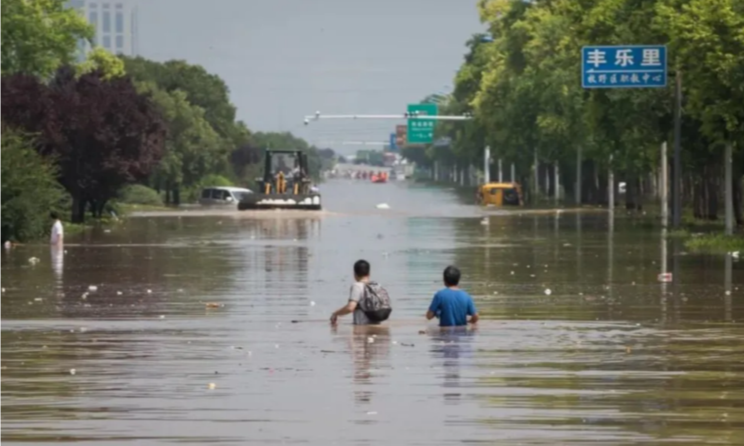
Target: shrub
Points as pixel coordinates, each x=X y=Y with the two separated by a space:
x=30 y=189
x=139 y=194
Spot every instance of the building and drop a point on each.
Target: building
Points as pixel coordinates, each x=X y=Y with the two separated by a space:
x=115 y=24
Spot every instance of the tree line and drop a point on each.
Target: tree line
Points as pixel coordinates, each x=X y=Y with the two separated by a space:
x=77 y=134
x=521 y=82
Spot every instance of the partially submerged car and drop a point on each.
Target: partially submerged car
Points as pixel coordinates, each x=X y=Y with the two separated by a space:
x=222 y=196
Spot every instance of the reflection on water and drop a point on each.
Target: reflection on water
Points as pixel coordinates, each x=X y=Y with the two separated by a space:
x=609 y=356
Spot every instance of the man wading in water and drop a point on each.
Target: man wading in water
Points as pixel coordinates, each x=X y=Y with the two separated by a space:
x=368 y=301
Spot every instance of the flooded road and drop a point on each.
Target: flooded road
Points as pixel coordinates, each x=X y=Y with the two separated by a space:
x=112 y=342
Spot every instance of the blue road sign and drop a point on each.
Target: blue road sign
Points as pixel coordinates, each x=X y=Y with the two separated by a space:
x=393 y=145
x=628 y=66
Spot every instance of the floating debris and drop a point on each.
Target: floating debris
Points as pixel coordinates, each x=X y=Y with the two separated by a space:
x=213 y=305
x=212 y=386
x=72 y=371
x=383 y=206
x=548 y=292
x=38 y=299
x=92 y=288
x=312 y=303
x=33 y=260
x=149 y=291
x=119 y=293
x=162 y=316
x=664 y=277
x=370 y=340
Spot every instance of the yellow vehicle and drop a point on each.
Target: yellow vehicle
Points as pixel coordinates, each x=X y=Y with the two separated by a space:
x=500 y=194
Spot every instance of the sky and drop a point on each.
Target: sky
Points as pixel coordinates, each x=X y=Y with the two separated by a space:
x=284 y=59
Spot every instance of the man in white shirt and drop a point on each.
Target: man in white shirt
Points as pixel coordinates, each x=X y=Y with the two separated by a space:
x=58 y=232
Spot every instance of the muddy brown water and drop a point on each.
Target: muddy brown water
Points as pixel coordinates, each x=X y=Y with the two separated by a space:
x=611 y=356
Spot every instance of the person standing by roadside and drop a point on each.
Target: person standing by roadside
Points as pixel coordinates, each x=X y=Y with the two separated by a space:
x=58 y=232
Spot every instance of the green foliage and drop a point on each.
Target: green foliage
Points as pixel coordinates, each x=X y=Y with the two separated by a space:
x=523 y=87
x=38 y=36
x=101 y=60
x=715 y=243
x=29 y=189
x=193 y=148
x=140 y=194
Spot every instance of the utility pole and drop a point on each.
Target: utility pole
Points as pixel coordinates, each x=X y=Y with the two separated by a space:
x=677 y=186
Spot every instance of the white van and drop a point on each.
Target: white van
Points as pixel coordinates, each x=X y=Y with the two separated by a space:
x=211 y=196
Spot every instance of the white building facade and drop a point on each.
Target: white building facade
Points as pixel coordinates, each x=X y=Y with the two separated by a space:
x=115 y=24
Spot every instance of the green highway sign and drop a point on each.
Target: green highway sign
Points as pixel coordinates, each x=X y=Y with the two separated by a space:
x=421 y=131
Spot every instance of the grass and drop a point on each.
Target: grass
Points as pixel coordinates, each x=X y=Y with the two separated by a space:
x=715 y=243
x=125 y=209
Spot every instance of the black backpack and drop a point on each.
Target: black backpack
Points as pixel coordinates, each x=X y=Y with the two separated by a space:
x=376 y=303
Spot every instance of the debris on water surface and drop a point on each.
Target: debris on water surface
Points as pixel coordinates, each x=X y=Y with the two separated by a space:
x=38 y=299
x=312 y=303
x=484 y=221
x=72 y=371
x=664 y=277
x=370 y=340
x=548 y=292
x=383 y=206
x=162 y=316
x=92 y=288
x=149 y=291
x=212 y=386
x=119 y=293
x=180 y=290
x=422 y=332
x=33 y=260
x=214 y=305
x=84 y=296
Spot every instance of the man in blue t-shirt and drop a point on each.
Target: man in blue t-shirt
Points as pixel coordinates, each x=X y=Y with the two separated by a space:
x=452 y=305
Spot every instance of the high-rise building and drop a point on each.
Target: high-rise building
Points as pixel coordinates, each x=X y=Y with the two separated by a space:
x=115 y=24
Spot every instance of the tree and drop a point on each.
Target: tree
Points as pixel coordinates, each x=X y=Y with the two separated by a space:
x=38 y=36
x=202 y=88
x=101 y=60
x=29 y=188
x=192 y=148
x=102 y=133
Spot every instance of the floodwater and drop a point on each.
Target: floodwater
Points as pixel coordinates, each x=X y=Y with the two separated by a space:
x=610 y=356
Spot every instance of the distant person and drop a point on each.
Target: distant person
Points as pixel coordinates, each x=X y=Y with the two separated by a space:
x=369 y=302
x=58 y=232
x=451 y=304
